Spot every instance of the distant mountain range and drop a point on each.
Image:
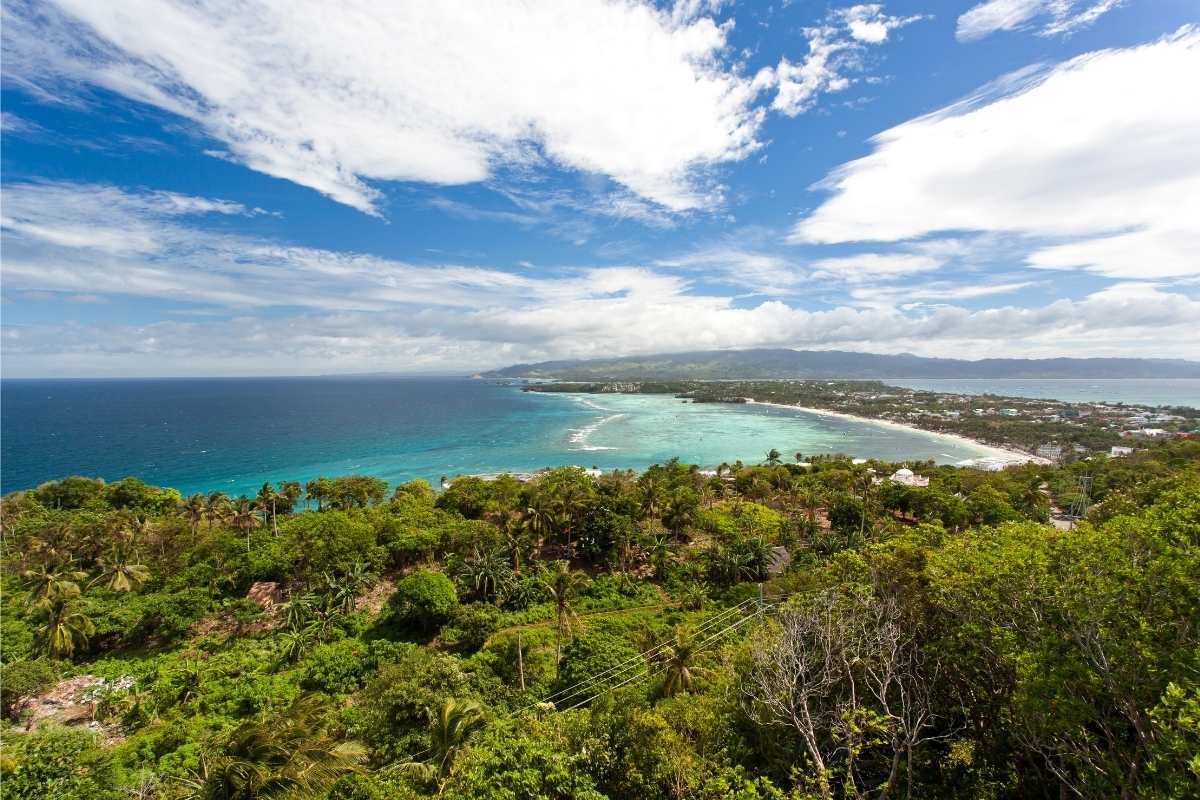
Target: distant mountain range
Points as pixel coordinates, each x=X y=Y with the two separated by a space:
x=774 y=364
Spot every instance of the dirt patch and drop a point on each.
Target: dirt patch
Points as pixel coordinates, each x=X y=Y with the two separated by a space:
x=374 y=599
x=74 y=702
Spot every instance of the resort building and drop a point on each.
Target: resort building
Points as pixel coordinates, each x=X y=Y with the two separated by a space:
x=1119 y=452
x=905 y=476
x=1053 y=452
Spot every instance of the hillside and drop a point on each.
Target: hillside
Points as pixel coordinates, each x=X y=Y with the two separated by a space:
x=781 y=363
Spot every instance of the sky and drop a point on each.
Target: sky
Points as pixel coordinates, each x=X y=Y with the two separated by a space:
x=289 y=188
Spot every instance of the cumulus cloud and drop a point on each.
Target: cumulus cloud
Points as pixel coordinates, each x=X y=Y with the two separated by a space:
x=1054 y=17
x=1093 y=164
x=442 y=93
x=836 y=55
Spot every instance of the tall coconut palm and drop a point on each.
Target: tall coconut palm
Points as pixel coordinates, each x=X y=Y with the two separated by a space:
x=290 y=493
x=47 y=585
x=449 y=729
x=120 y=573
x=773 y=457
x=193 y=510
x=266 y=501
x=680 y=658
x=284 y=754
x=244 y=518
x=217 y=508
x=564 y=587
x=63 y=628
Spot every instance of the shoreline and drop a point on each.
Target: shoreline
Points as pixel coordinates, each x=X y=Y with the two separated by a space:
x=993 y=454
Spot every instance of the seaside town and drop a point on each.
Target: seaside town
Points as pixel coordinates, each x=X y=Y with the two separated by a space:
x=1053 y=430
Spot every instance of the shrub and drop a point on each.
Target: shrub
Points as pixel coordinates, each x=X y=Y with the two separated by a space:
x=425 y=600
x=21 y=680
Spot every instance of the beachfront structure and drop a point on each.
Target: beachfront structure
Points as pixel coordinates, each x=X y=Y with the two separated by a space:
x=1052 y=452
x=1145 y=433
x=906 y=476
x=1120 y=452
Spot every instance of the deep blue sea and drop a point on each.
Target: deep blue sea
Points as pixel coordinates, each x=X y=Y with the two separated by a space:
x=232 y=434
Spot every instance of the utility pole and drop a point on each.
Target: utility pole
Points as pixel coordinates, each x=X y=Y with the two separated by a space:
x=520 y=662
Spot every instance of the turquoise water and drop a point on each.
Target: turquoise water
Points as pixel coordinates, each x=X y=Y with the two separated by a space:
x=232 y=434
x=653 y=428
x=1142 y=391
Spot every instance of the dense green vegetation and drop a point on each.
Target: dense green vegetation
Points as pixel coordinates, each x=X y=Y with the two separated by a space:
x=628 y=636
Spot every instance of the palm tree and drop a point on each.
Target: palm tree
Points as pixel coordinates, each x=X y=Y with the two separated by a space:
x=193 y=510
x=217 y=507
x=244 y=519
x=538 y=520
x=266 y=500
x=290 y=493
x=449 y=729
x=680 y=657
x=64 y=627
x=773 y=457
x=512 y=525
x=120 y=574
x=564 y=586
x=47 y=585
x=284 y=754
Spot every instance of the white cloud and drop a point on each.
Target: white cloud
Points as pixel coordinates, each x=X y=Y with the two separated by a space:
x=835 y=55
x=868 y=23
x=301 y=310
x=1058 y=16
x=1147 y=322
x=866 y=266
x=442 y=92
x=1094 y=163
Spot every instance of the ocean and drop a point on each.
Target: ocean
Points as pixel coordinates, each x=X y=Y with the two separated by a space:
x=233 y=434
x=1141 y=391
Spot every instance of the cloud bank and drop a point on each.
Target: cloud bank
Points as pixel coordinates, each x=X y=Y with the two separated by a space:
x=1094 y=164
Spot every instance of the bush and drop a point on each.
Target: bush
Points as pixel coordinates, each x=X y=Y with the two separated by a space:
x=471 y=625
x=591 y=655
x=62 y=763
x=425 y=600
x=22 y=680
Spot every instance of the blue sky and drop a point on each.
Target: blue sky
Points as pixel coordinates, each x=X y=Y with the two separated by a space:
x=281 y=188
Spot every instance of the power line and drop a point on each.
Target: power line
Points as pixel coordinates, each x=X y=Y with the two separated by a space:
x=583 y=685
x=650 y=673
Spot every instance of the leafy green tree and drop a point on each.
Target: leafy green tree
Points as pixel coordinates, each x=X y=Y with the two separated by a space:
x=331 y=542
x=425 y=599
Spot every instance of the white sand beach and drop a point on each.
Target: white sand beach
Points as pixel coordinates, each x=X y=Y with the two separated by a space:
x=993 y=457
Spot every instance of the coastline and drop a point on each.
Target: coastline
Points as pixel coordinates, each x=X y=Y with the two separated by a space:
x=994 y=456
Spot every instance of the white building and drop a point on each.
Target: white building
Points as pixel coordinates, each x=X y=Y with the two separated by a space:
x=1053 y=452
x=905 y=475
x=1119 y=452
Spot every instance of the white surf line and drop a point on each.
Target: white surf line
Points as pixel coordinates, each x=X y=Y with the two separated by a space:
x=579 y=436
x=992 y=455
